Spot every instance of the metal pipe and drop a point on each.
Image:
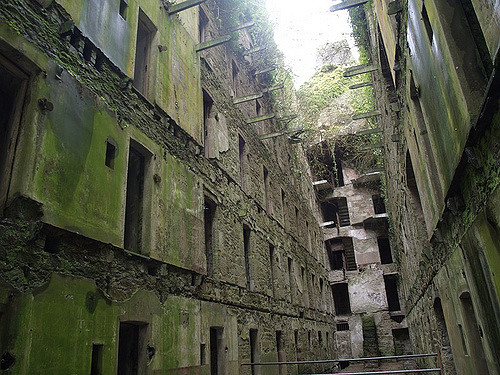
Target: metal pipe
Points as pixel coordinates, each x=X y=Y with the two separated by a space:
x=384 y=372
x=408 y=356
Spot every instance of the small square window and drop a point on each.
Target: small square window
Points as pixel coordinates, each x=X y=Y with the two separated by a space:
x=110 y=154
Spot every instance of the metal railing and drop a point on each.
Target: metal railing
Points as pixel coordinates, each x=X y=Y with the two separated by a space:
x=365 y=359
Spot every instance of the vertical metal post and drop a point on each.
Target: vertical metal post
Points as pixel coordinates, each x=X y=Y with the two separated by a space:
x=440 y=359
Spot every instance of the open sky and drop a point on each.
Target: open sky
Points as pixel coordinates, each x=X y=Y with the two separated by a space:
x=301 y=27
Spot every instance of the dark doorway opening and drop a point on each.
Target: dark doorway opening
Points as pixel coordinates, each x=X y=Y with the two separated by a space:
x=131 y=348
x=378 y=204
x=96 y=364
x=216 y=350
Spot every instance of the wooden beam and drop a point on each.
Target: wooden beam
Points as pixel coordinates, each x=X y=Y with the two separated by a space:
x=360 y=116
x=247 y=98
x=273 y=88
x=254 y=50
x=360 y=69
x=213 y=43
x=265 y=70
x=369 y=131
x=287 y=118
x=359 y=85
x=260 y=118
x=176 y=8
x=281 y=133
x=347 y=4
x=371 y=146
x=245 y=25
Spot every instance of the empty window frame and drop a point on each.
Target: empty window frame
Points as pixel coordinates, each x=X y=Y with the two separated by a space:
x=246 y=248
x=216 y=351
x=132 y=348
x=13 y=84
x=343 y=326
x=203 y=25
x=384 y=249
x=391 y=291
x=339 y=173
x=411 y=182
x=308 y=233
x=283 y=202
x=208 y=124
x=142 y=71
x=296 y=341
x=297 y=221
x=378 y=204
x=267 y=202
x=341 y=299
x=210 y=208
x=138 y=162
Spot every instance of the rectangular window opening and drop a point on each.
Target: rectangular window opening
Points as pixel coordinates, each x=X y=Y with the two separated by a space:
x=210 y=208
x=427 y=23
x=296 y=340
x=339 y=173
x=242 y=155
x=267 y=202
x=123 y=9
x=320 y=338
x=131 y=348
x=254 y=350
x=271 y=267
x=384 y=248
x=341 y=299
x=391 y=291
x=203 y=24
x=378 y=204
x=235 y=72
x=258 y=108
x=142 y=70
x=290 y=277
x=343 y=326
x=208 y=123
x=283 y=196
x=246 y=246
x=336 y=212
x=96 y=364
x=138 y=161
x=202 y=354
x=13 y=83
x=110 y=154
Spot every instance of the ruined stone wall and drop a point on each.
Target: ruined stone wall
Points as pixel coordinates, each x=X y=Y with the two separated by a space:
x=438 y=217
x=69 y=283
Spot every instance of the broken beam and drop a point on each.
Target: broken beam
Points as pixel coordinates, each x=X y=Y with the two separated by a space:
x=360 y=69
x=247 y=98
x=176 y=8
x=347 y=4
x=359 y=85
x=369 y=131
x=243 y=26
x=260 y=118
x=360 y=116
x=255 y=50
x=213 y=43
x=265 y=70
x=369 y=147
